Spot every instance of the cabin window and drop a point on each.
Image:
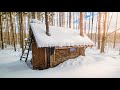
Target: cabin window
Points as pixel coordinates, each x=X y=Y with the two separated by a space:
x=73 y=49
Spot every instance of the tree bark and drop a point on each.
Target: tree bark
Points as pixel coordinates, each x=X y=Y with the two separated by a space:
x=96 y=32
x=81 y=23
x=89 y=28
x=60 y=19
x=85 y=24
x=69 y=19
x=7 y=30
x=115 y=32
x=21 y=30
x=1 y=30
x=12 y=31
x=103 y=37
x=47 y=24
x=92 y=25
x=99 y=29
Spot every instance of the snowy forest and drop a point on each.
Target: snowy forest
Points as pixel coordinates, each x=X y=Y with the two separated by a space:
x=100 y=60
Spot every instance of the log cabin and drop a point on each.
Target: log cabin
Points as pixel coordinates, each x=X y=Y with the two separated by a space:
x=63 y=44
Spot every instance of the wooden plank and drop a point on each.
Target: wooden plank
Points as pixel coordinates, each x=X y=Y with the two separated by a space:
x=52 y=56
x=38 y=54
x=45 y=58
x=64 y=47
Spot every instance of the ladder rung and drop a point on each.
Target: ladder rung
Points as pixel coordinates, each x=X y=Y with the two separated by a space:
x=23 y=57
x=25 y=53
x=28 y=41
x=26 y=48
x=26 y=45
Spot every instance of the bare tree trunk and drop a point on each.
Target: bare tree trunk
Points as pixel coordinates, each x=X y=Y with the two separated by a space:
x=115 y=32
x=29 y=25
x=103 y=37
x=47 y=24
x=92 y=24
x=15 y=30
x=81 y=23
x=38 y=15
x=63 y=19
x=96 y=32
x=7 y=29
x=73 y=20
x=69 y=19
x=34 y=15
x=60 y=19
x=85 y=24
x=21 y=30
x=1 y=30
x=57 y=18
x=99 y=29
x=78 y=21
x=51 y=19
x=24 y=30
x=89 y=28
x=12 y=31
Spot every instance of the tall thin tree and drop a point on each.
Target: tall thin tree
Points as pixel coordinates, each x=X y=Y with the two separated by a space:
x=92 y=25
x=12 y=31
x=89 y=27
x=47 y=24
x=21 y=30
x=115 y=32
x=60 y=19
x=69 y=19
x=81 y=23
x=7 y=30
x=104 y=31
x=99 y=28
x=1 y=30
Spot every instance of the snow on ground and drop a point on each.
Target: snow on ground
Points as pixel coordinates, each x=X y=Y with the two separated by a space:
x=93 y=65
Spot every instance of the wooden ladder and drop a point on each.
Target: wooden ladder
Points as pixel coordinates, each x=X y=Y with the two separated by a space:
x=27 y=48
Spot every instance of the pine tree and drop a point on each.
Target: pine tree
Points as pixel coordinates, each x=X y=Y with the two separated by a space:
x=99 y=29
x=81 y=23
x=47 y=24
x=104 y=31
x=92 y=24
x=12 y=31
x=115 y=31
x=60 y=19
x=7 y=30
x=69 y=19
x=89 y=27
x=2 y=42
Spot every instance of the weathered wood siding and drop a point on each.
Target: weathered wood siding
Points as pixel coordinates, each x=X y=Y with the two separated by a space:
x=63 y=54
x=38 y=57
x=56 y=56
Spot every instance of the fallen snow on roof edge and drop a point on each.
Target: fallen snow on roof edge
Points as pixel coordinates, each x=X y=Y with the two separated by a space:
x=59 y=36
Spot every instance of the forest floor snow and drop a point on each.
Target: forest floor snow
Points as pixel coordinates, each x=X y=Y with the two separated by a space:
x=93 y=65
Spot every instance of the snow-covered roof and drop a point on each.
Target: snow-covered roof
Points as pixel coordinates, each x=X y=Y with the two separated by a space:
x=59 y=36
